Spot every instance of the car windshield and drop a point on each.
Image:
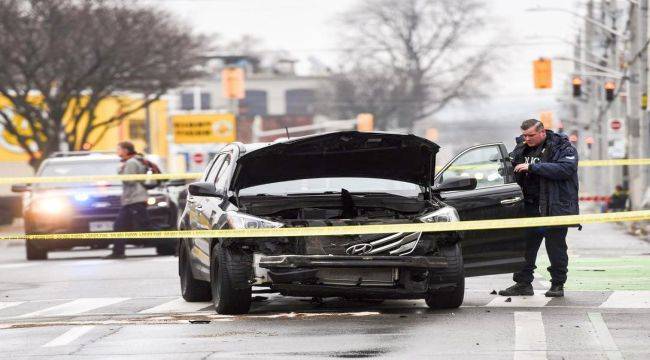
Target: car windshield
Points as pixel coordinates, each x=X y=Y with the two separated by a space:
x=79 y=168
x=334 y=185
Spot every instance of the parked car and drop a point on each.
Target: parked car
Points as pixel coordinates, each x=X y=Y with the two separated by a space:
x=342 y=179
x=51 y=208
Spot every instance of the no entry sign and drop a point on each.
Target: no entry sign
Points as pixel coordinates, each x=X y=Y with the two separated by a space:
x=198 y=158
x=615 y=124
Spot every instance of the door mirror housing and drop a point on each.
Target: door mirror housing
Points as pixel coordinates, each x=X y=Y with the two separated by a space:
x=19 y=188
x=456 y=183
x=205 y=189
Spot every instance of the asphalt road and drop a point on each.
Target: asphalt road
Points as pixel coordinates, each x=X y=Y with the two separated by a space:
x=78 y=306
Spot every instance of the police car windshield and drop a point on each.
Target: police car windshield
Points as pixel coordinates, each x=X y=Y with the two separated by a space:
x=334 y=185
x=79 y=168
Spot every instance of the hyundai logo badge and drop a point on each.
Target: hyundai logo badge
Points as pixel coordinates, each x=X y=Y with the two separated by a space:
x=358 y=249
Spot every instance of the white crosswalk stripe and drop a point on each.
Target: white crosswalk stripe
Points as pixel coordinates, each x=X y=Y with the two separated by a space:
x=70 y=336
x=177 y=306
x=17 y=265
x=604 y=337
x=628 y=300
x=4 y=305
x=530 y=337
x=75 y=307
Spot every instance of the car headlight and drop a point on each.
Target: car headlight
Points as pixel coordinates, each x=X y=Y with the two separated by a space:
x=446 y=214
x=242 y=221
x=51 y=206
x=159 y=201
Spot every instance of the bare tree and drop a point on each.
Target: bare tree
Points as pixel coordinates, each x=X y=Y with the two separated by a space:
x=409 y=59
x=59 y=60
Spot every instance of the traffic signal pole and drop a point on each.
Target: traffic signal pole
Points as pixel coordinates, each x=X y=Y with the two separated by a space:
x=633 y=106
x=644 y=127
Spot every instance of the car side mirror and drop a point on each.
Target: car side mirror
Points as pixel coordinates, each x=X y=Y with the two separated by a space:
x=456 y=183
x=205 y=189
x=175 y=182
x=18 y=188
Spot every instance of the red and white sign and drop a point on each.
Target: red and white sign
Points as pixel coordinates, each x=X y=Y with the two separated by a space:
x=615 y=124
x=198 y=158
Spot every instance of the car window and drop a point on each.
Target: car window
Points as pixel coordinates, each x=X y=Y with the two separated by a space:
x=211 y=174
x=79 y=168
x=219 y=180
x=484 y=163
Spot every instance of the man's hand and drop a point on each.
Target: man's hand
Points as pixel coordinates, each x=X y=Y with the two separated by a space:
x=521 y=168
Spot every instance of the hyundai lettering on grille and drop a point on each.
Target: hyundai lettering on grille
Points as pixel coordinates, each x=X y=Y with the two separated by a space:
x=358 y=249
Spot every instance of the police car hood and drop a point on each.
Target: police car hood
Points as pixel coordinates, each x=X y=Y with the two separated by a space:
x=407 y=158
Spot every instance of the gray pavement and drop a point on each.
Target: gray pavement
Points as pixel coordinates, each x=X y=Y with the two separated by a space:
x=78 y=306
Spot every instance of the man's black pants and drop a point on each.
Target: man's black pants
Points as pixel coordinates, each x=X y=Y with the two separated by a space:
x=132 y=217
x=556 y=248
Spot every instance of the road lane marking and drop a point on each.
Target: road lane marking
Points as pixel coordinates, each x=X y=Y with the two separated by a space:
x=177 y=306
x=4 y=305
x=604 y=337
x=538 y=300
x=530 y=337
x=70 y=336
x=16 y=265
x=74 y=307
x=628 y=300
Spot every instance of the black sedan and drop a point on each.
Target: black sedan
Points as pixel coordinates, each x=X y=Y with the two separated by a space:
x=342 y=179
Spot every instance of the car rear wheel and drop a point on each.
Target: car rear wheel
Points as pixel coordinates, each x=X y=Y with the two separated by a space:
x=454 y=273
x=230 y=272
x=34 y=252
x=192 y=290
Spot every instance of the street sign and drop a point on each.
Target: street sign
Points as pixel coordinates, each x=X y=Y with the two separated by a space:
x=198 y=158
x=204 y=128
x=615 y=124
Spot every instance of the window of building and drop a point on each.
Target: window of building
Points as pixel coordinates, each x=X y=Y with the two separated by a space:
x=137 y=129
x=255 y=103
x=206 y=101
x=300 y=101
x=187 y=100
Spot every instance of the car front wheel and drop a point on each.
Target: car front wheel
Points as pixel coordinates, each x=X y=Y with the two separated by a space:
x=34 y=252
x=454 y=273
x=192 y=290
x=229 y=274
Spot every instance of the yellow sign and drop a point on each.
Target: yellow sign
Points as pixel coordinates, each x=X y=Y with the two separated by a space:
x=204 y=128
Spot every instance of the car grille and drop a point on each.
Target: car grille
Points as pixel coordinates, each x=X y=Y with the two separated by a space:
x=377 y=244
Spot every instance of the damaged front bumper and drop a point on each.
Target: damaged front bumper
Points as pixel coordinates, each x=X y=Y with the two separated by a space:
x=397 y=277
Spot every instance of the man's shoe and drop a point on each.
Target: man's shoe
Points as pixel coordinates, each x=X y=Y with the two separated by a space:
x=555 y=291
x=518 y=289
x=115 y=256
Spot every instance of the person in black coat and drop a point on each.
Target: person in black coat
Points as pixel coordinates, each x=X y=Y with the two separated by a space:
x=546 y=168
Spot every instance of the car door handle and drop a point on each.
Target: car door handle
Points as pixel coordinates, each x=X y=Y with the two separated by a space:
x=511 y=201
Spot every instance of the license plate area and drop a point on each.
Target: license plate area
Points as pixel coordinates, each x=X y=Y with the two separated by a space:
x=100 y=226
x=358 y=276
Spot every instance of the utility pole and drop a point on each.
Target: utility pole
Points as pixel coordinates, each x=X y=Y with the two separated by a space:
x=591 y=107
x=644 y=128
x=633 y=104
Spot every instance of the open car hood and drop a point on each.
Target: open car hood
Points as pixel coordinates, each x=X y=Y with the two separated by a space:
x=407 y=158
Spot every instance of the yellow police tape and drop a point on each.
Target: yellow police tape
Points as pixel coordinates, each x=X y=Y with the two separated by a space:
x=354 y=229
x=190 y=176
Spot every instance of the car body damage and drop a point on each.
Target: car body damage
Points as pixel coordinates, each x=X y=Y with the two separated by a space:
x=337 y=179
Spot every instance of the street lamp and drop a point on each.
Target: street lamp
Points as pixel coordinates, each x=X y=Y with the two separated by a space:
x=586 y=18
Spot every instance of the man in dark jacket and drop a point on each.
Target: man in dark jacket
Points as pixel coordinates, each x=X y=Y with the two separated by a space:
x=546 y=168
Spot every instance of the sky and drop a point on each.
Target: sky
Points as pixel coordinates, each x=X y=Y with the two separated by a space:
x=308 y=28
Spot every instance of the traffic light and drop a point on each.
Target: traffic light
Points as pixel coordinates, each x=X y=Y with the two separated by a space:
x=542 y=73
x=609 y=90
x=232 y=83
x=365 y=122
x=577 y=86
x=546 y=117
